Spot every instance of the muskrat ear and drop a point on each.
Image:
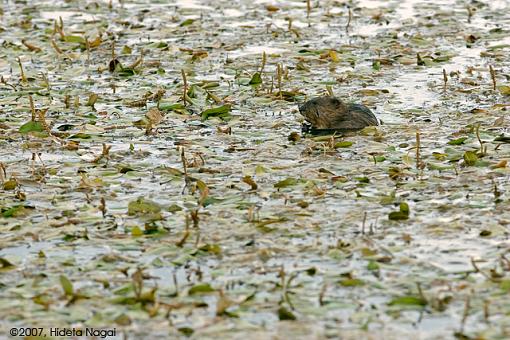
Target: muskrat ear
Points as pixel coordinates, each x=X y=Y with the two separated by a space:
x=335 y=101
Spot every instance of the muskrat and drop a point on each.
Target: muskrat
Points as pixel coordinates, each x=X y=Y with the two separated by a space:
x=330 y=113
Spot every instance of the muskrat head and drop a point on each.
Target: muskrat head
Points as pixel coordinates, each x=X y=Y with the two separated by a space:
x=316 y=109
x=309 y=111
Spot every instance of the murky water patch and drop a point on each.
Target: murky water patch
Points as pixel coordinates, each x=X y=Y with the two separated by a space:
x=193 y=4
x=257 y=49
x=24 y=251
x=412 y=89
x=232 y=12
x=66 y=15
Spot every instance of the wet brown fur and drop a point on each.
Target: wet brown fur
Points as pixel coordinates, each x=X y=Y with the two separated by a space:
x=332 y=113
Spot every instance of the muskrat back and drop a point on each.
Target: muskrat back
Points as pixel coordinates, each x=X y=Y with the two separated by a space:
x=332 y=113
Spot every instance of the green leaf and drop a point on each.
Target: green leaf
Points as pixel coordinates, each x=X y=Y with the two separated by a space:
x=351 y=282
x=210 y=85
x=343 y=144
x=67 y=286
x=126 y=50
x=4 y=264
x=187 y=22
x=404 y=207
x=222 y=112
x=126 y=72
x=141 y=122
x=260 y=170
x=15 y=211
x=285 y=314
x=171 y=106
x=74 y=39
x=211 y=200
x=244 y=81
x=402 y=214
x=408 y=301
x=372 y=266
x=311 y=271
x=175 y=208
x=470 y=158
x=81 y=135
x=187 y=331
x=66 y=127
x=504 y=90
x=256 y=79
x=201 y=288
x=286 y=183
x=505 y=285
x=124 y=300
x=211 y=248
x=301 y=66
x=143 y=206
x=126 y=169
x=114 y=65
x=442 y=59
x=485 y=233
x=31 y=126
x=440 y=167
x=136 y=231
x=10 y=184
x=457 y=141
x=195 y=91
x=161 y=44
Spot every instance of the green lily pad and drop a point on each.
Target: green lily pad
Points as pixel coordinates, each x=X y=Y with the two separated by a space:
x=256 y=79
x=352 y=282
x=187 y=22
x=74 y=39
x=457 y=141
x=201 y=289
x=285 y=314
x=143 y=206
x=31 y=126
x=408 y=301
x=67 y=286
x=470 y=158
x=343 y=144
x=286 y=183
x=222 y=112
x=402 y=214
